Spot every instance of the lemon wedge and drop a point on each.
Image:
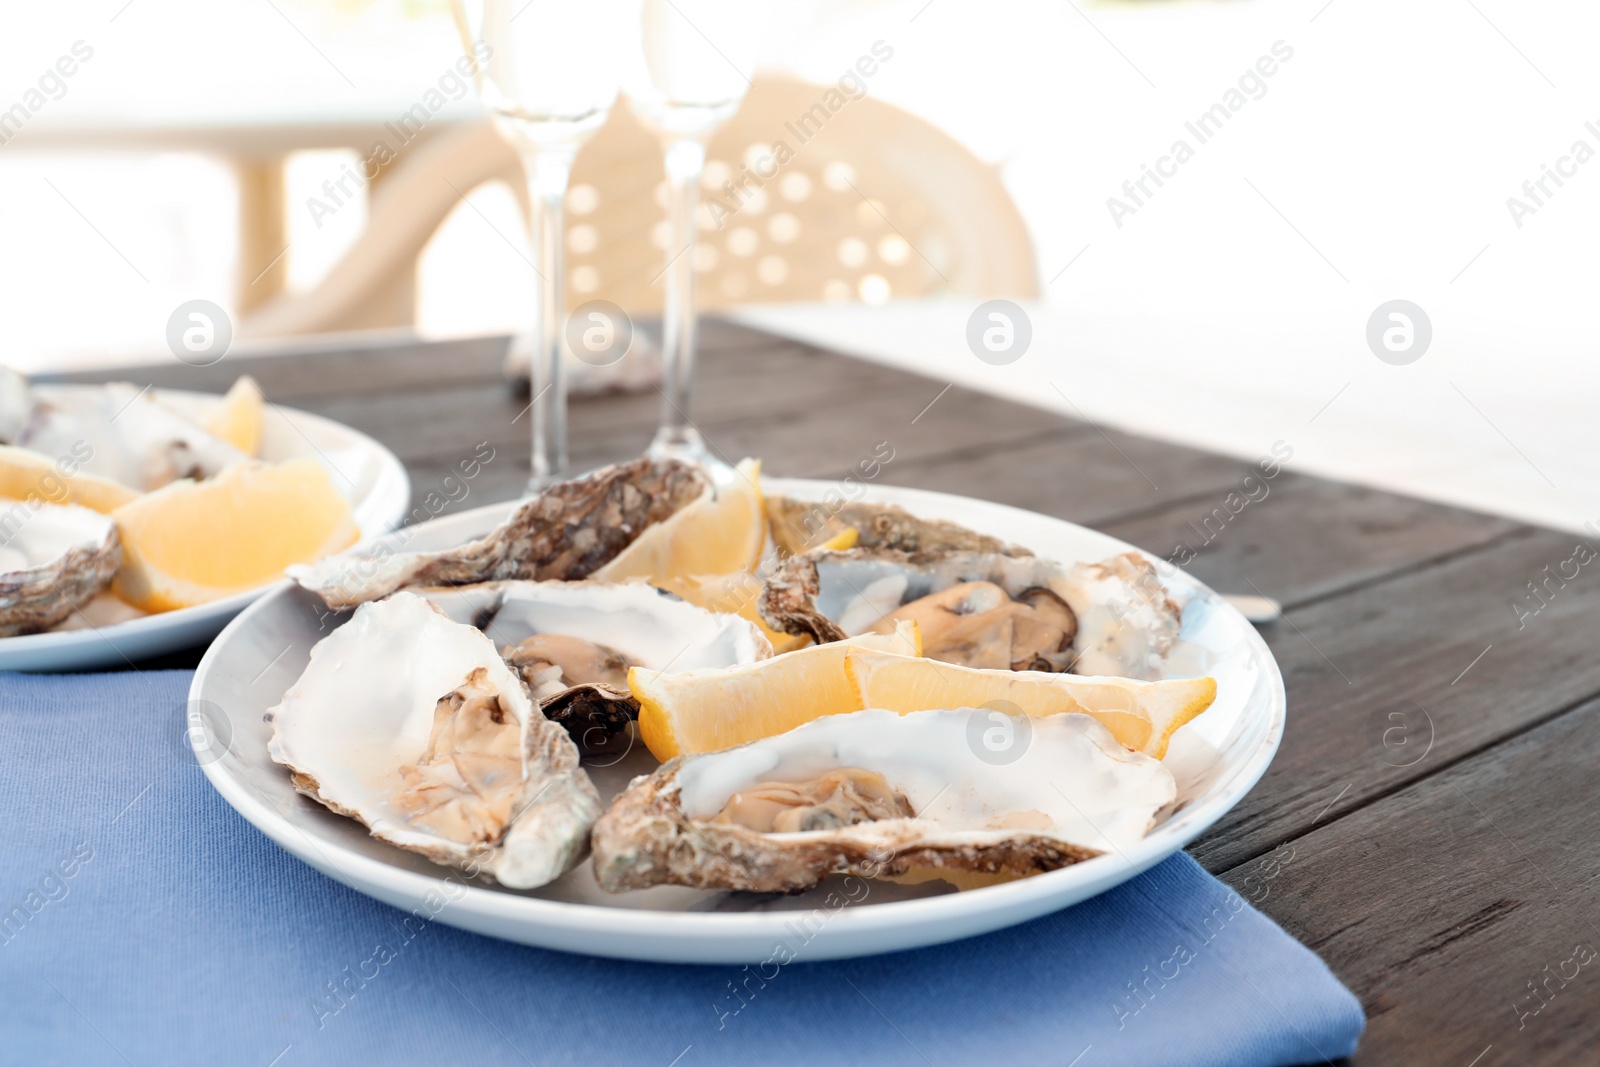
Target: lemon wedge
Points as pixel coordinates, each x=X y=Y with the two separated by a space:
x=189 y=542
x=1142 y=715
x=28 y=475
x=712 y=709
x=238 y=419
x=720 y=534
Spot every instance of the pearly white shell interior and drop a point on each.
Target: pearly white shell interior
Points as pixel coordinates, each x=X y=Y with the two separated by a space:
x=35 y=535
x=364 y=706
x=134 y=438
x=963 y=770
x=651 y=628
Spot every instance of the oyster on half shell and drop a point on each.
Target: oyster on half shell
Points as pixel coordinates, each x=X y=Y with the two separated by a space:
x=874 y=793
x=120 y=431
x=412 y=724
x=54 y=558
x=567 y=532
x=984 y=609
x=978 y=601
x=573 y=643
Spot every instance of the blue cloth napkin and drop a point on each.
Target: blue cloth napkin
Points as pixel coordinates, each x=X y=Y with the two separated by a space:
x=143 y=922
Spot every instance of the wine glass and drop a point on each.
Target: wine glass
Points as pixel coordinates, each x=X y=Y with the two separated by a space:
x=698 y=57
x=549 y=73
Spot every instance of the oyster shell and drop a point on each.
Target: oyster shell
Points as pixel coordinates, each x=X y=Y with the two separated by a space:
x=1118 y=620
x=132 y=437
x=798 y=526
x=412 y=724
x=53 y=559
x=874 y=793
x=572 y=643
x=566 y=532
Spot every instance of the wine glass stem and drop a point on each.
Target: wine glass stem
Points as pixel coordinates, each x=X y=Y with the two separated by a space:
x=548 y=170
x=685 y=160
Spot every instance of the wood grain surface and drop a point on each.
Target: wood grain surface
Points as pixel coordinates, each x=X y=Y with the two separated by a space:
x=1427 y=825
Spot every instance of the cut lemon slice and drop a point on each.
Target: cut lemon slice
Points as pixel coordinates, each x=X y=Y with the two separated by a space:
x=843 y=540
x=238 y=419
x=718 y=534
x=1142 y=715
x=709 y=710
x=192 y=542
x=28 y=475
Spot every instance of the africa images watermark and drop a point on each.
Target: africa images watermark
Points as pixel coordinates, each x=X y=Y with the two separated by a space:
x=1146 y=587
x=1142 y=992
x=453 y=488
x=810 y=528
x=1252 y=85
x=453 y=84
x=52 y=887
x=1536 y=191
x=1253 y=489
x=51 y=85
x=337 y=993
x=50 y=487
x=803 y=930
x=1544 y=588
x=1542 y=992
x=803 y=127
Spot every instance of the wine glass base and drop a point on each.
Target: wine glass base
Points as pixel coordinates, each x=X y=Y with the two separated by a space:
x=538 y=484
x=688 y=447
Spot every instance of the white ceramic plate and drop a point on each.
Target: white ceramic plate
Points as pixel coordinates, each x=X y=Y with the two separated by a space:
x=1216 y=760
x=369 y=474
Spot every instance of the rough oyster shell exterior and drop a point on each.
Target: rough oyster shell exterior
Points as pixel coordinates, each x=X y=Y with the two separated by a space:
x=69 y=554
x=567 y=532
x=798 y=526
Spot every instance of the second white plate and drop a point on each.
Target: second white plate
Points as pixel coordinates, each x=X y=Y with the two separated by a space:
x=369 y=474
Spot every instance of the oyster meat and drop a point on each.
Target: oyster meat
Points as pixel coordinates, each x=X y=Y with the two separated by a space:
x=875 y=793
x=573 y=643
x=993 y=607
x=979 y=624
x=567 y=532
x=411 y=723
x=54 y=558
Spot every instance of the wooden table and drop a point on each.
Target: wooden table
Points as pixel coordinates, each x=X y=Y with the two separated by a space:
x=1423 y=827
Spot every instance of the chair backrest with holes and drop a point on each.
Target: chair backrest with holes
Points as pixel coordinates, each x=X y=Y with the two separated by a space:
x=866 y=203
x=862 y=202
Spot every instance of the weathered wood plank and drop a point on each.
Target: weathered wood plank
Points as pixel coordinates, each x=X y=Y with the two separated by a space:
x=806 y=431
x=389 y=361
x=382 y=362
x=1298 y=537
x=1088 y=476
x=1391 y=680
x=777 y=390
x=1439 y=905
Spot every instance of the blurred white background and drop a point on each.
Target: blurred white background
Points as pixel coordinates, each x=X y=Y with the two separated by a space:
x=1229 y=311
